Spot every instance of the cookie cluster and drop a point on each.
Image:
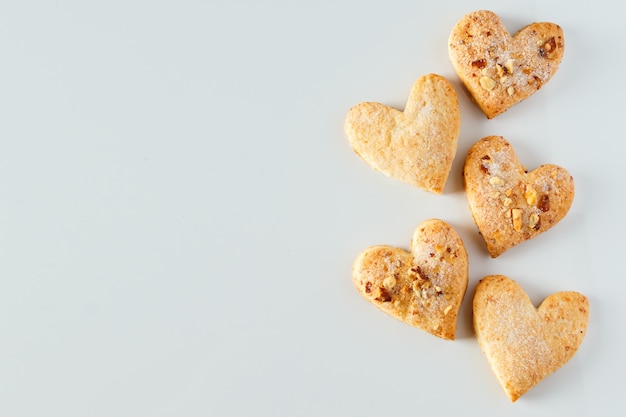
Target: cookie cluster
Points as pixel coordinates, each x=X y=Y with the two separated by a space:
x=425 y=286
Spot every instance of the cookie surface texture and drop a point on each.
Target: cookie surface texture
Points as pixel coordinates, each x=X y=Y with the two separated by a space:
x=424 y=287
x=416 y=145
x=509 y=205
x=524 y=344
x=500 y=70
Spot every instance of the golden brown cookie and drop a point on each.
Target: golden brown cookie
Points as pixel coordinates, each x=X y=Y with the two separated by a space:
x=424 y=287
x=497 y=69
x=508 y=204
x=523 y=344
x=416 y=145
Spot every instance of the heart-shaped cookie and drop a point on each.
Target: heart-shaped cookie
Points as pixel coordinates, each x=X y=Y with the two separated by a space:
x=416 y=145
x=508 y=204
x=523 y=344
x=424 y=287
x=498 y=69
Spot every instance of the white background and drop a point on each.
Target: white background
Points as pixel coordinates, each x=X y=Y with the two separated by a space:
x=180 y=209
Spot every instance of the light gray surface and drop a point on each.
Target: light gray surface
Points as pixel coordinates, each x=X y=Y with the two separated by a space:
x=180 y=209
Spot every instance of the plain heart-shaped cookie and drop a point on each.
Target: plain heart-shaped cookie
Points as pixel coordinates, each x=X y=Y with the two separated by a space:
x=523 y=344
x=416 y=145
x=500 y=70
x=508 y=204
x=424 y=287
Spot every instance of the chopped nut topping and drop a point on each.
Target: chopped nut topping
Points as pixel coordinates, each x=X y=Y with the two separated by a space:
x=416 y=287
x=389 y=282
x=507 y=214
x=479 y=63
x=548 y=48
x=496 y=180
x=436 y=326
x=447 y=310
x=534 y=222
x=381 y=294
x=483 y=164
x=507 y=201
x=420 y=274
x=411 y=272
x=530 y=195
x=510 y=91
x=509 y=66
x=487 y=83
x=499 y=70
x=437 y=288
x=517 y=219
x=508 y=193
x=424 y=293
x=544 y=203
